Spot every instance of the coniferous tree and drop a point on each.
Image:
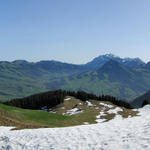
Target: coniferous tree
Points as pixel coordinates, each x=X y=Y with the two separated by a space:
x=145 y=102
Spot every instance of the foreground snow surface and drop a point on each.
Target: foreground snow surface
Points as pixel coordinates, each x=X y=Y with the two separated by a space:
x=117 y=134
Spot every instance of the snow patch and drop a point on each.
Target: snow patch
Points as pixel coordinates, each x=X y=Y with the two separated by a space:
x=86 y=123
x=51 y=111
x=44 y=108
x=98 y=117
x=67 y=99
x=101 y=114
x=114 y=111
x=106 y=105
x=89 y=103
x=100 y=120
x=73 y=111
x=111 y=111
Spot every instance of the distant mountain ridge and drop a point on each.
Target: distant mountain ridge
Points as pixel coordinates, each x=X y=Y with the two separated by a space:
x=95 y=63
x=108 y=74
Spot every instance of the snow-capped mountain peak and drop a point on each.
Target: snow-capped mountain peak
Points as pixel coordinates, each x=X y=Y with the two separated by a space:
x=99 y=61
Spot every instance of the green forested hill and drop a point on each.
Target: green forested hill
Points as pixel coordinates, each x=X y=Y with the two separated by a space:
x=21 y=78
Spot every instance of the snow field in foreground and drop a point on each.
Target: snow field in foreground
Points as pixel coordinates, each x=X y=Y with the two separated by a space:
x=117 y=134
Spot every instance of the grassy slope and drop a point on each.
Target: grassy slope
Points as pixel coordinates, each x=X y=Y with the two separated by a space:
x=23 y=118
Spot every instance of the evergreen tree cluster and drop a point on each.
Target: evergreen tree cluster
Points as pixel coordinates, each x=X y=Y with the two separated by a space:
x=145 y=102
x=49 y=99
x=53 y=98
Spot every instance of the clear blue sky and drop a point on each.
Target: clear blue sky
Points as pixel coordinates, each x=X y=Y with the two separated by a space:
x=74 y=30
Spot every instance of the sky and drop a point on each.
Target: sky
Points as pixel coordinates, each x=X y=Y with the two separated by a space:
x=74 y=31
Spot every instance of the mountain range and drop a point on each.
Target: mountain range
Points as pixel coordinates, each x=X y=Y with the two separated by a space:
x=125 y=78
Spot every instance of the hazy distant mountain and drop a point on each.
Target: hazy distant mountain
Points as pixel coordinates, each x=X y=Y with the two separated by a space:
x=101 y=60
x=20 y=62
x=139 y=100
x=108 y=74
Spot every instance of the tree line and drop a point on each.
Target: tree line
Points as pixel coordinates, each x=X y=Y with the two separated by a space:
x=53 y=98
x=86 y=96
x=49 y=99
